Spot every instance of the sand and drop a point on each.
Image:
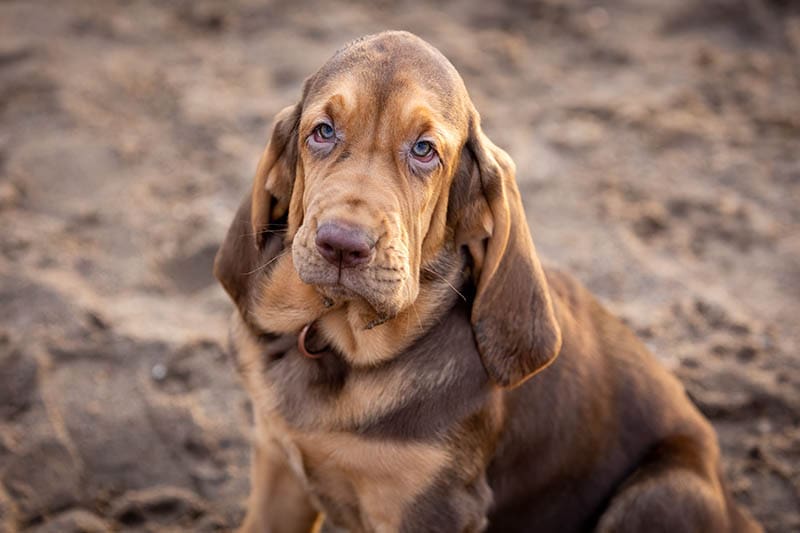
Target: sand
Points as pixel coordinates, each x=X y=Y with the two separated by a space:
x=657 y=146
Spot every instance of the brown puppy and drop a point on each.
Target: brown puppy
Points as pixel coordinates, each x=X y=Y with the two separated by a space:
x=392 y=310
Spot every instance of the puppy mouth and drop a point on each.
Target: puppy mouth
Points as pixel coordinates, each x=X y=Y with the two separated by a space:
x=336 y=292
x=341 y=284
x=332 y=295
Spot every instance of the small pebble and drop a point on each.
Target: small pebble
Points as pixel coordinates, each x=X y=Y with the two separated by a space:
x=159 y=371
x=598 y=18
x=764 y=426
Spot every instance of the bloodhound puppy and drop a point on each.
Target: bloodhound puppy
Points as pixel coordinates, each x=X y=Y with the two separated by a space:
x=411 y=365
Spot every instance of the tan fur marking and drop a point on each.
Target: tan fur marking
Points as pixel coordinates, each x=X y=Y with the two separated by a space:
x=285 y=304
x=278 y=497
x=386 y=476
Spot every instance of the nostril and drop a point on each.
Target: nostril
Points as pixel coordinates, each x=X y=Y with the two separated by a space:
x=359 y=254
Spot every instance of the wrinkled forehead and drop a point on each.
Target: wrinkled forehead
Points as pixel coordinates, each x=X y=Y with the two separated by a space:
x=391 y=67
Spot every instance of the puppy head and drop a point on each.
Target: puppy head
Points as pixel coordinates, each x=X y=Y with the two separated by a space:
x=363 y=164
x=379 y=167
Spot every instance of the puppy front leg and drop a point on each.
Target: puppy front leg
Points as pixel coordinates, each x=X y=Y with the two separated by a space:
x=278 y=501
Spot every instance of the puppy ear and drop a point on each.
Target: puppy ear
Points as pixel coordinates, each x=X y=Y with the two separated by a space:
x=261 y=224
x=276 y=173
x=512 y=315
x=238 y=264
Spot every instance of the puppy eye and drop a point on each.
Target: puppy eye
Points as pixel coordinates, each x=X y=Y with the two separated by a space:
x=423 y=151
x=324 y=133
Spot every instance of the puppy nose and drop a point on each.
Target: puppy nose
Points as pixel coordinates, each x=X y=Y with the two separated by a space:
x=344 y=245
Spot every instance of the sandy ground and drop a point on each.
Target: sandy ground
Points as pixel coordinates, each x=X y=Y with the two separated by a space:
x=657 y=145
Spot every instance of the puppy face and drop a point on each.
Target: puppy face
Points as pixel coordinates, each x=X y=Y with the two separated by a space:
x=379 y=136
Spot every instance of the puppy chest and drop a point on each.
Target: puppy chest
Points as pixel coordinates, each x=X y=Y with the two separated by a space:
x=361 y=483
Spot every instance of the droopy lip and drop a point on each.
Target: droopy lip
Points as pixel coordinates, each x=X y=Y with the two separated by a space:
x=336 y=282
x=342 y=284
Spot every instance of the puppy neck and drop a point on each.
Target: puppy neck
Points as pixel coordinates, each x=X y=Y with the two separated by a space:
x=284 y=305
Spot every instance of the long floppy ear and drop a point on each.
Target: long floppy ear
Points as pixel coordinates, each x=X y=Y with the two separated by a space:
x=276 y=174
x=512 y=315
x=238 y=264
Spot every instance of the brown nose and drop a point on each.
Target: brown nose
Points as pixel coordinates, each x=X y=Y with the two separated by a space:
x=344 y=245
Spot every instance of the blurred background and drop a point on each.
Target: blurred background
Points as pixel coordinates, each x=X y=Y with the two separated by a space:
x=657 y=146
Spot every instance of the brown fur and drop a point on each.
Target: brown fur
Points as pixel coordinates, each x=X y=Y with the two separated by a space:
x=421 y=414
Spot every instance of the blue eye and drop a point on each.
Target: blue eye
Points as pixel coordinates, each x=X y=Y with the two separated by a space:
x=325 y=131
x=422 y=149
